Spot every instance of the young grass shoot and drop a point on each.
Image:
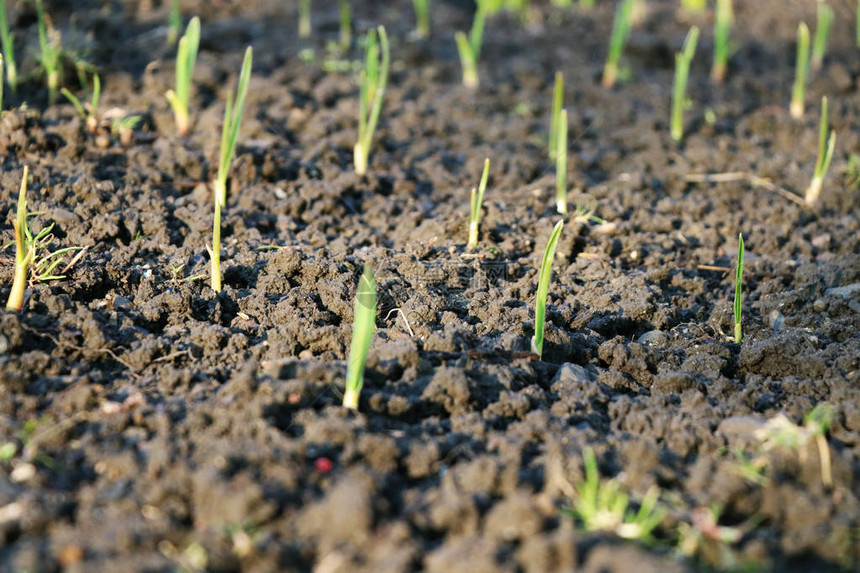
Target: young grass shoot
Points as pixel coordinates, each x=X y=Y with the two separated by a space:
x=229 y=135
x=605 y=507
x=543 y=289
x=469 y=48
x=186 y=58
x=422 y=18
x=362 y=333
x=477 y=202
x=1 y=82
x=557 y=102
x=620 y=32
x=374 y=79
x=174 y=22
x=822 y=31
x=561 y=165
x=34 y=261
x=8 y=44
x=304 y=18
x=798 y=94
x=679 y=91
x=826 y=145
x=723 y=21
x=52 y=53
x=90 y=114
x=345 y=34
x=739 y=276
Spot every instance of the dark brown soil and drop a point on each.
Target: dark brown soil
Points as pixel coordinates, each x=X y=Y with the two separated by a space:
x=158 y=426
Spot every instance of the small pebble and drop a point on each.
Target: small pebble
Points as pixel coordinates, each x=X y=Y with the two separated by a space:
x=22 y=473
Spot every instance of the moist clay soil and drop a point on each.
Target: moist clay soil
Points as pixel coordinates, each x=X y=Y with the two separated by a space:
x=149 y=424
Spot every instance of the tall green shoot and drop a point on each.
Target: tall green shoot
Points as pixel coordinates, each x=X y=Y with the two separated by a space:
x=723 y=21
x=186 y=58
x=422 y=18
x=822 y=30
x=620 y=32
x=374 y=79
x=304 y=18
x=679 y=91
x=798 y=94
x=345 y=35
x=52 y=52
x=7 y=42
x=826 y=145
x=477 y=202
x=561 y=165
x=24 y=251
x=739 y=275
x=557 y=102
x=91 y=115
x=543 y=288
x=469 y=47
x=174 y=22
x=229 y=136
x=364 y=323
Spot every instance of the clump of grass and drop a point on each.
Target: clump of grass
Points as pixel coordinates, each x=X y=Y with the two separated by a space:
x=174 y=22
x=543 y=289
x=469 y=47
x=7 y=42
x=557 y=102
x=374 y=79
x=780 y=432
x=822 y=30
x=723 y=21
x=561 y=165
x=186 y=59
x=52 y=52
x=304 y=18
x=34 y=261
x=345 y=36
x=229 y=136
x=477 y=202
x=679 y=92
x=739 y=275
x=620 y=32
x=605 y=507
x=90 y=114
x=826 y=145
x=422 y=18
x=798 y=94
x=362 y=332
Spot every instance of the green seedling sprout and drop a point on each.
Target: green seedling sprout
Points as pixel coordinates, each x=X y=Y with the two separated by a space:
x=543 y=288
x=174 y=22
x=605 y=507
x=345 y=25
x=229 y=136
x=8 y=44
x=679 y=91
x=723 y=21
x=304 y=18
x=620 y=32
x=477 y=201
x=362 y=332
x=822 y=31
x=52 y=52
x=469 y=47
x=89 y=115
x=34 y=262
x=186 y=58
x=826 y=146
x=739 y=275
x=123 y=128
x=561 y=165
x=798 y=94
x=374 y=78
x=557 y=102
x=1 y=82
x=422 y=18
x=780 y=432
